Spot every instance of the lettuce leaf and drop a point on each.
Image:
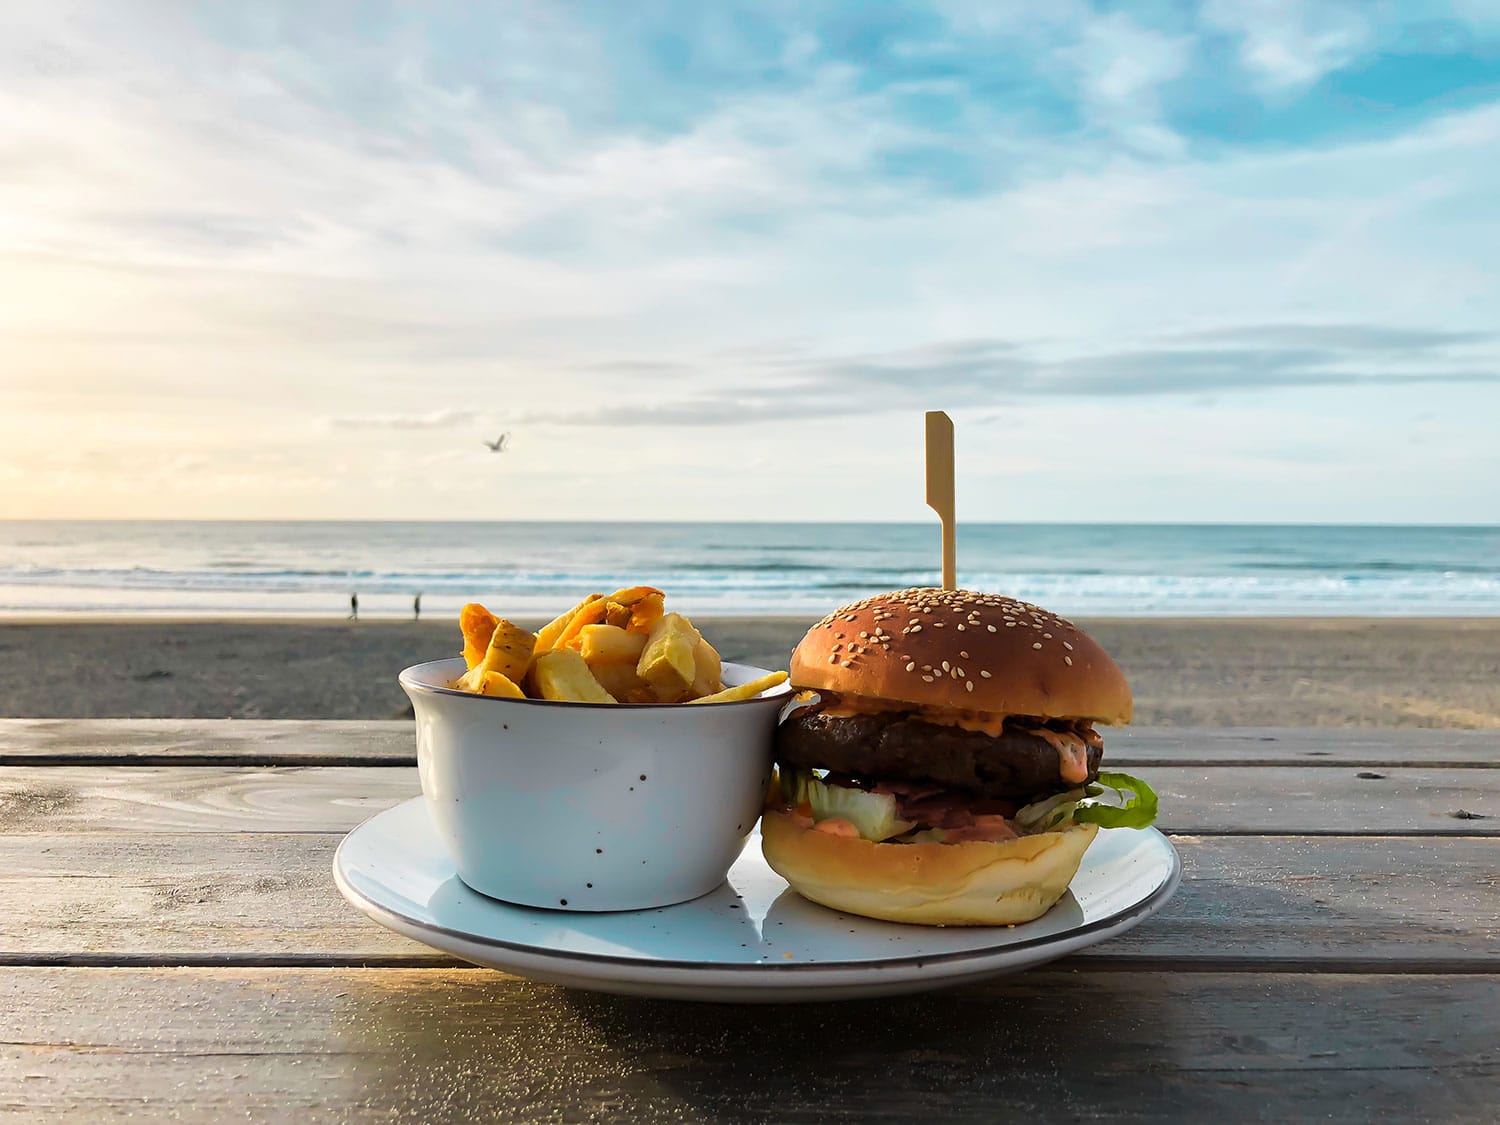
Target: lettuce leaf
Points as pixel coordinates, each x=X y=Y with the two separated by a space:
x=873 y=814
x=1054 y=812
x=1129 y=803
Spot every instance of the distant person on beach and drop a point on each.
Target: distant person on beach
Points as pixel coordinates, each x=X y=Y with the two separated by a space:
x=353 y=607
x=416 y=608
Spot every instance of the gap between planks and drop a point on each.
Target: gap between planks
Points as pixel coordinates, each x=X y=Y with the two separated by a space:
x=1105 y=963
x=272 y=761
x=386 y=742
x=182 y=800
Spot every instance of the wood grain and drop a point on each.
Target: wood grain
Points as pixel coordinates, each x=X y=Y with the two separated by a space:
x=419 y=1046
x=207 y=741
x=104 y=898
x=1297 y=974
x=359 y=742
x=1199 y=800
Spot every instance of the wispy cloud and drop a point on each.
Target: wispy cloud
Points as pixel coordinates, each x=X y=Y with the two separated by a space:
x=1238 y=359
x=1120 y=69
x=432 y=420
x=1345 y=337
x=1290 y=44
x=360 y=237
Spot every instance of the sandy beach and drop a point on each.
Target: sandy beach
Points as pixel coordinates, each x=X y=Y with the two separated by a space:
x=1382 y=672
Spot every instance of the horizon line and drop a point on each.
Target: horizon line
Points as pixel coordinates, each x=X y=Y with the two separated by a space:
x=761 y=522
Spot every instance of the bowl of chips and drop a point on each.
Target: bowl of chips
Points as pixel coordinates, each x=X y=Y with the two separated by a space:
x=609 y=761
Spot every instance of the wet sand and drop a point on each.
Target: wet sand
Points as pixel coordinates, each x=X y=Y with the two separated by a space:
x=1374 y=672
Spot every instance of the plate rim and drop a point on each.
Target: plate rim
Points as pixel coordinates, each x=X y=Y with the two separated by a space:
x=1140 y=909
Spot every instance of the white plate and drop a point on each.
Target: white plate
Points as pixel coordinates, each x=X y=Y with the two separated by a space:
x=752 y=940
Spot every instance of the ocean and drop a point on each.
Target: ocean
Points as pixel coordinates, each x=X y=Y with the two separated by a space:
x=311 y=568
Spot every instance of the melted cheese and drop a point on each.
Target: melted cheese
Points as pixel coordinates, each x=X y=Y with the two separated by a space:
x=1072 y=753
x=982 y=721
x=848 y=706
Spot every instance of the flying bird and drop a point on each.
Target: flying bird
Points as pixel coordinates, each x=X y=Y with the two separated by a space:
x=498 y=445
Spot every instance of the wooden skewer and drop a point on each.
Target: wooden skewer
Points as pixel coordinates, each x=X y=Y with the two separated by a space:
x=940 y=486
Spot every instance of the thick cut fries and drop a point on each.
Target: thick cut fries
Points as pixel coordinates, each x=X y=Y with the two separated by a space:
x=667 y=661
x=610 y=644
x=621 y=608
x=492 y=683
x=621 y=647
x=707 y=668
x=621 y=681
x=743 y=691
x=509 y=652
x=508 y=655
x=477 y=625
x=562 y=675
x=590 y=614
x=546 y=638
x=646 y=613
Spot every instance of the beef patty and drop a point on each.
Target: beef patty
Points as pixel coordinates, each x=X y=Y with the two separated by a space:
x=892 y=745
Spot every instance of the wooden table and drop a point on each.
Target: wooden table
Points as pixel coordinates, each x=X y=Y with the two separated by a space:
x=173 y=945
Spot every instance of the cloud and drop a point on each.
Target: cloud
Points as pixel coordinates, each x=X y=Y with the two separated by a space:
x=1243 y=359
x=1349 y=337
x=432 y=420
x=1121 y=68
x=359 y=237
x=1287 y=45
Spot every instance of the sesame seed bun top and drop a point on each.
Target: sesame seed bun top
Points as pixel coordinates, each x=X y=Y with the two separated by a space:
x=960 y=648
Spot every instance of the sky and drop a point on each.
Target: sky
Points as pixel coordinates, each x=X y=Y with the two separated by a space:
x=1217 y=262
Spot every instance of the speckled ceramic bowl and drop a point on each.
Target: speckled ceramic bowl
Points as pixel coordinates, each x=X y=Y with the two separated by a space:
x=583 y=806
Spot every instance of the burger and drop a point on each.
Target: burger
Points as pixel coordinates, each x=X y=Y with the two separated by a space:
x=943 y=767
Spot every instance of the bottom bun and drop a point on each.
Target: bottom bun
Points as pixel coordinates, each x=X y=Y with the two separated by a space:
x=976 y=883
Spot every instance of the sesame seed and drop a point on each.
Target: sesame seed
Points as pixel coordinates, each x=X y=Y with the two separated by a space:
x=915 y=629
x=991 y=628
x=960 y=626
x=1068 y=660
x=969 y=686
x=927 y=679
x=986 y=675
x=965 y=655
x=833 y=660
x=959 y=672
x=1010 y=624
x=1067 y=646
x=947 y=667
x=1036 y=644
x=911 y=666
x=1047 y=635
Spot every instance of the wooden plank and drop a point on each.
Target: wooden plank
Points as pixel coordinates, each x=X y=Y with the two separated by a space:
x=358 y=742
x=1370 y=902
x=1302 y=747
x=167 y=799
x=1206 y=801
x=430 y=1045
x=207 y=741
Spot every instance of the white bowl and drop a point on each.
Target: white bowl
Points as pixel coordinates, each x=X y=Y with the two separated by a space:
x=591 y=806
